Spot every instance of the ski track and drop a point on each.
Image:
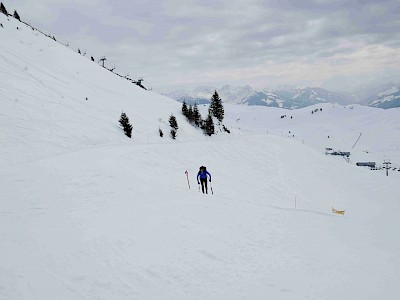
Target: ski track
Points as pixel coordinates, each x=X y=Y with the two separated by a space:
x=210 y=244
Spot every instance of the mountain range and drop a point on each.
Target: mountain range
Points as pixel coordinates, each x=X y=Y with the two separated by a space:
x=388 y=96
x=384 y=96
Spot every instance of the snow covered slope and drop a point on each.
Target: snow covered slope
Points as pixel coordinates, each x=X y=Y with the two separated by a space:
x=43 y=95
x=328 y=126
x=86 y=213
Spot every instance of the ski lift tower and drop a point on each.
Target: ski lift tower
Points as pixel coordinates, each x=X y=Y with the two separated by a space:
x=103 y=59
x=387 y=164
x=139 y=81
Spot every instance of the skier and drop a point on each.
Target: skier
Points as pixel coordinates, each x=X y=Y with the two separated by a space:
x=203 y=178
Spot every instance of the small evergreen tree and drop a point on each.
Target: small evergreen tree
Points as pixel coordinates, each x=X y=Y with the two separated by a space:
x=160 y=132
x=16 y=16
x=216 y=107
x=209 y=126
x=190 y=113
x=203 y=124
x=196 y=115
x=184 y=109
x=125 y=124
x=173 y=123
x=3 y=9
x=173 y=133
x=174 y=126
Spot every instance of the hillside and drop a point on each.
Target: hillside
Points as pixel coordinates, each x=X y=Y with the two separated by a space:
x=44 y=91
x=87 y=213
x=332 y=126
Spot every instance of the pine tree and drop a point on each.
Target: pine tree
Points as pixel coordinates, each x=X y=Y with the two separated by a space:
x=173 y=123
x=173 y=133
x=16 y=16
x=126 y=125
x=190 y=113
x=203 y=124
x=3 y=9
x=174 y=126
x=196 y=115
x=160 y=132
x=209 y=126
x=184 y=109
x=216 y=107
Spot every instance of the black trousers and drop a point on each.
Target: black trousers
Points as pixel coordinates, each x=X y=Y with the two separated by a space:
x=204 y=184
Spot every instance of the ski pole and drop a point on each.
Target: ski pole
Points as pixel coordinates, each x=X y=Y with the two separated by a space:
x=212 y=192
x=187 y=177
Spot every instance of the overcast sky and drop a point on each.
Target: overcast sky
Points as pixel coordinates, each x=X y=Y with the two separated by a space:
x=336 y=44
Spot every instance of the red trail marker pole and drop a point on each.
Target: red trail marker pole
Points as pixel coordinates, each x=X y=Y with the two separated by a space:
x=187 y=177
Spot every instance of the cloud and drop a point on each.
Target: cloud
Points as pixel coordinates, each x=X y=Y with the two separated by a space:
x=173 y=43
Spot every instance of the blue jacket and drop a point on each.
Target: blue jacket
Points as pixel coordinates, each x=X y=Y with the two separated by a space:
x=203 y=175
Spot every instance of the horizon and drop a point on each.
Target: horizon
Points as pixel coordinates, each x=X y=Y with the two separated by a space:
x=336 y=45
x=276 y=88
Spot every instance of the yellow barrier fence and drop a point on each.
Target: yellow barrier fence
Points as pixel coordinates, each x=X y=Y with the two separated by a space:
x=339 y=212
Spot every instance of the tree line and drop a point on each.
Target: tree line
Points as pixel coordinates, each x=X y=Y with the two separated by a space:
x=193 y=116
x=215 y=110
x=127 y=126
